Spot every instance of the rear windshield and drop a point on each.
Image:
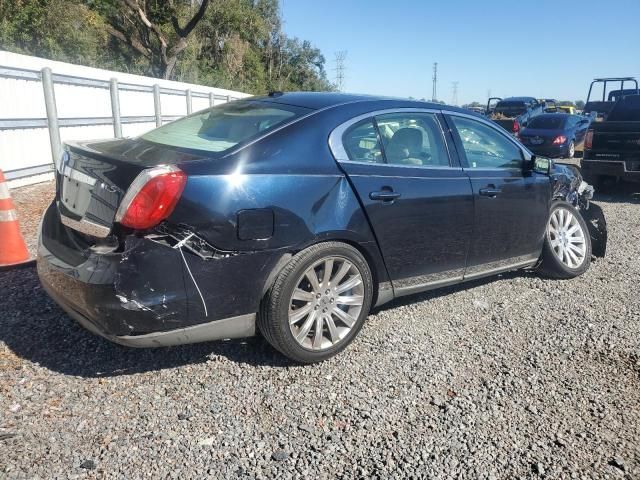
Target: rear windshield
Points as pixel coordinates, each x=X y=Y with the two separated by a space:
x=223 y=127
x=626 y=110
x=511 y=109
x=547 y=123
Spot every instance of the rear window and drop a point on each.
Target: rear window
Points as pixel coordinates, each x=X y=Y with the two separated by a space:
x=626 y=110
x=510 y=109
x=547 y=123
x=223 y=127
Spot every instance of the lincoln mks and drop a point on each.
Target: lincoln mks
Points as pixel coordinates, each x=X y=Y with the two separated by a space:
x=292 y=215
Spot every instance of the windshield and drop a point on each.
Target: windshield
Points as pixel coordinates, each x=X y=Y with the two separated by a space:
x=510 y=109
x=547 y=123
x=220 y=128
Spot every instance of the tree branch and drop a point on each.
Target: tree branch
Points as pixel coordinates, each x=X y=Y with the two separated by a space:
x=136 y=44
x=184 y=32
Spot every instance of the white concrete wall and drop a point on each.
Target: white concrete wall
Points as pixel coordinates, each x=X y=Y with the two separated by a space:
x=24 y=99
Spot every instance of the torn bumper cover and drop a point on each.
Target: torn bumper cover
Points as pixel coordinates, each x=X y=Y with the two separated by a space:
x=568 y=185
x=152 y=294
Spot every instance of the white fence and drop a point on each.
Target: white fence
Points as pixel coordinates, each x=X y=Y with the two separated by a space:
x=43 y=102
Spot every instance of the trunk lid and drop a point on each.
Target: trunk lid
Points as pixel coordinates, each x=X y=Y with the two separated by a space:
x=93 y=178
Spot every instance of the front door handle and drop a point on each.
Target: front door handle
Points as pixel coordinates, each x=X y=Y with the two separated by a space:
x=490 y=191
x=384 y=195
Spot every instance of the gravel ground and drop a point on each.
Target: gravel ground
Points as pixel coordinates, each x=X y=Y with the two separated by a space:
x=510 y=377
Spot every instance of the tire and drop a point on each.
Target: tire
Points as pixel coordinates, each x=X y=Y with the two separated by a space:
x=557 y=241
x=571 y=150
x=337 y=331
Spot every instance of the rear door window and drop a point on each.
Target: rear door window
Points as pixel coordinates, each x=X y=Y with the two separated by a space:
x=223 y=127
x=362 y=144
x=413 y=139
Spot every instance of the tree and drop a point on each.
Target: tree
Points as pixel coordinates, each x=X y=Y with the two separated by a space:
x=580 y=104
x=235 y=44
x=152 y=29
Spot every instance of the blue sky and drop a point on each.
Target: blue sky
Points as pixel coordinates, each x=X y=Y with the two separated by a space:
x=546 y=49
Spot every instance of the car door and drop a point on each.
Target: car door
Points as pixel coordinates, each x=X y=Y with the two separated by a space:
x=511 y=204
x=419 y=204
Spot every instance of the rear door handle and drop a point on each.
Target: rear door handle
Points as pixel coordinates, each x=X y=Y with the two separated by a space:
x=490 y=191
x=384 y=195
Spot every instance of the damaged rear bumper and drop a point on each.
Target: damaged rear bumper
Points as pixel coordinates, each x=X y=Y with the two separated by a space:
x=152 y=294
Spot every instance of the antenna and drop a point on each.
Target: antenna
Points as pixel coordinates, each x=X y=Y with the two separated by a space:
x=341 y=57
x=435 y=82
x=454 y=94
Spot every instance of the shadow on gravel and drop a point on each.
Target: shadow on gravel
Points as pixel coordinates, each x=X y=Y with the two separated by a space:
x=622 y=192
x=34 y=328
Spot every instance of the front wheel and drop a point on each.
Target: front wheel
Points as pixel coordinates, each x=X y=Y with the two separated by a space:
x=318 y=302
x=567 y=245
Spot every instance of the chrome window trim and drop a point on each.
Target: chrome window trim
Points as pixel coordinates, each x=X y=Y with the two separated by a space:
x=526 y=154
x=340 y=154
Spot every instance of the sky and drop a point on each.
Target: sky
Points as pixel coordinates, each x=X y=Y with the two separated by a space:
x=544 y=49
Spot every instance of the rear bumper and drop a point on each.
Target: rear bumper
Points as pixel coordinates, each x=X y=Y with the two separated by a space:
x=145 y=297
x=551 y=151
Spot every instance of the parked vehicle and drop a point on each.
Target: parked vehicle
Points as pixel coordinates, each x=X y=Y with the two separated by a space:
x=514 y=113
x=612 y=146
x=599 y=106
x=295 y=213
x=567 y=109
x=555 y=134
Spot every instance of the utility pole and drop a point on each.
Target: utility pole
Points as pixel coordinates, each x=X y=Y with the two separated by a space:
x=341 y=57
x=435 y=82
x=454 y=95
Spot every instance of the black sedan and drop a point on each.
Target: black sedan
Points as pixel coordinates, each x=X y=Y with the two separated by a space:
x=555 y=134
x=294 y=214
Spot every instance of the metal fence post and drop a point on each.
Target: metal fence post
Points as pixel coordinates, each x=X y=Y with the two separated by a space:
x=115 y=108
x=156 y=105
x=52 y=115
x=212 y=99
x=228 y=98
x=189 y=104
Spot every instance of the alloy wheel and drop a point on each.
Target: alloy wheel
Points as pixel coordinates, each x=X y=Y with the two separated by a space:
x=326 y=303
x=567 y=238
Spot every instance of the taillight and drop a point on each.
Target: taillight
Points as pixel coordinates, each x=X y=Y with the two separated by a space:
x=516 y=126
x=588 y=139
x=559 y=140
x=151 y=197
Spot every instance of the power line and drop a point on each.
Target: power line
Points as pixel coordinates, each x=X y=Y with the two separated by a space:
x=341 y=58
x=435 y=82
x=454 y=94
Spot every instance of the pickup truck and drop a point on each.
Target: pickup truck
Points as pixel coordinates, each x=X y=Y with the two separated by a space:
x=514 y=113
x=612 y=146
x=598 y=106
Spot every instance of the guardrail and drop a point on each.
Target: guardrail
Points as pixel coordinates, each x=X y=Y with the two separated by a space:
x=53 y=122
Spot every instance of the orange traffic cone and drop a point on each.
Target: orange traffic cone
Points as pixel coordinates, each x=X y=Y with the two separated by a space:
x=13 y=250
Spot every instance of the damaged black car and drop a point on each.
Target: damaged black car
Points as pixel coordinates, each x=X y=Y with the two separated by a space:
x=292 y=215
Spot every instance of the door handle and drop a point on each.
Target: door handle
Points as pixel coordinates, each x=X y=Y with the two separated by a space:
x=384 y=195
x=490 y=191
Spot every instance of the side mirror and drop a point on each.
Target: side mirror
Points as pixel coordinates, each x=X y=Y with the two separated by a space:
x=541 y=165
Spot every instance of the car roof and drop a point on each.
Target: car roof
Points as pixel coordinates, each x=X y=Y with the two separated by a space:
x=320 y=100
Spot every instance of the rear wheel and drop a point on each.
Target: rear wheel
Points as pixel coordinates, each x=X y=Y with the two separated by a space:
x=571 y=151
x=567 y=245
x=318 y=303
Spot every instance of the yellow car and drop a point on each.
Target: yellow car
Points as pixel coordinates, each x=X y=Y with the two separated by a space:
x=567 y=109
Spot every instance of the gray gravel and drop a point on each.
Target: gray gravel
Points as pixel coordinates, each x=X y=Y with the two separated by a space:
x=511 y=377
